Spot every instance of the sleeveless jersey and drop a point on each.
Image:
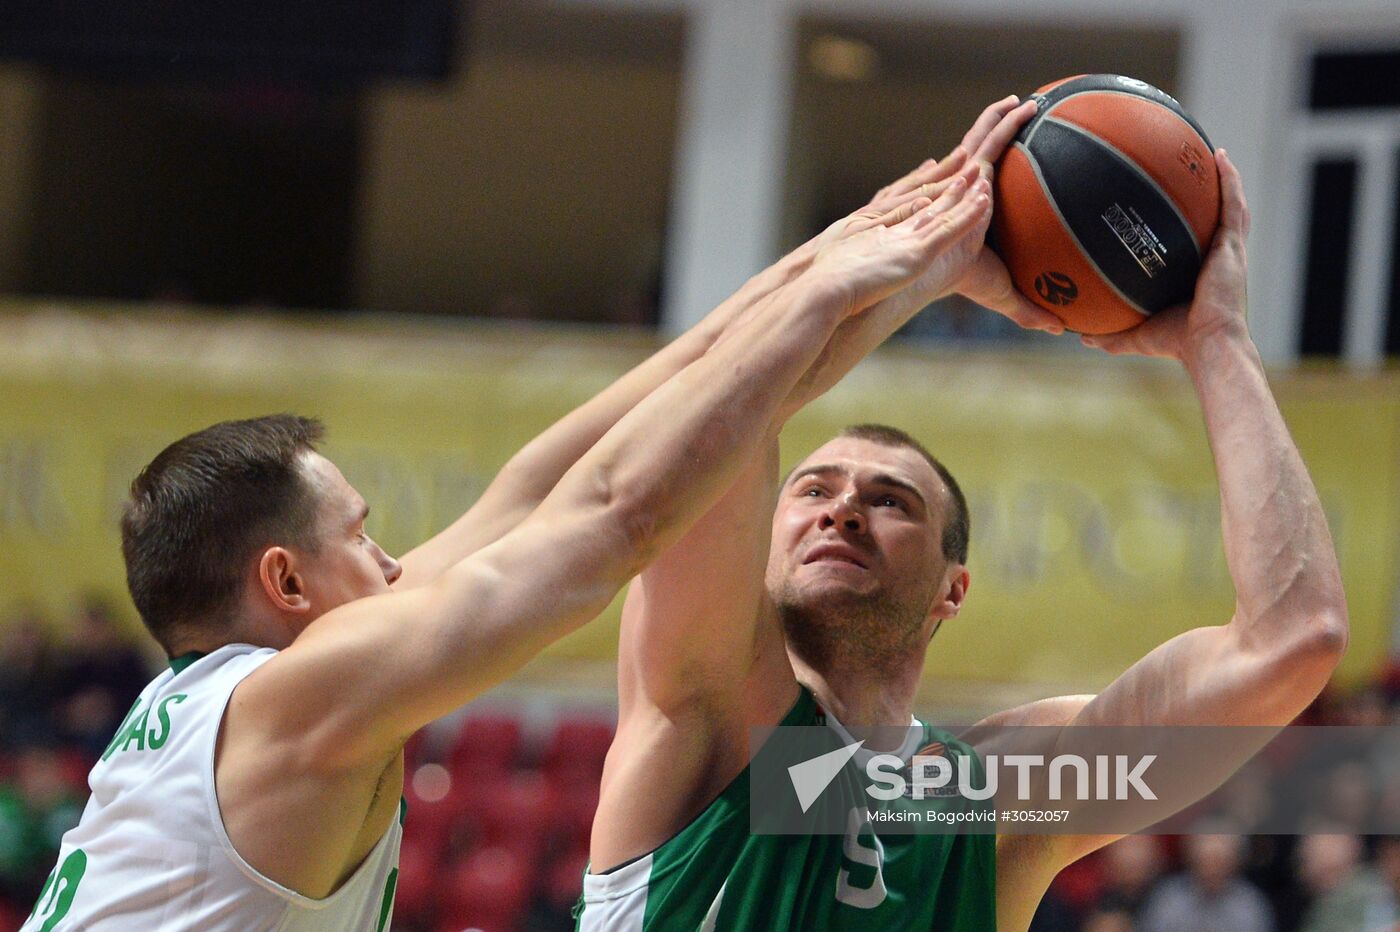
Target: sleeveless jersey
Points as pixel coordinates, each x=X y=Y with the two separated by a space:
x=715 y=875
x=151 y=852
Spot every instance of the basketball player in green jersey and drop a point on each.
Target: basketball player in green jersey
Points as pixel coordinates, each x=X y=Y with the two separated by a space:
x=815 y=603
x=256 y=784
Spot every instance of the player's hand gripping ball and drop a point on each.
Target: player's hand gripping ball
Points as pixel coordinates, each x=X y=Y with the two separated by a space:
x=1106 y=203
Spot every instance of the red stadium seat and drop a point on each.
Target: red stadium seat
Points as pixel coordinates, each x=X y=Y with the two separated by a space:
x=10 y=916
x=440 y=807
x=415 y=896
x=578 y=744
x=488 y=890
x=74 y=767
x=562 y=883
x=576 y=796
x=517 y=811
x=486 y=743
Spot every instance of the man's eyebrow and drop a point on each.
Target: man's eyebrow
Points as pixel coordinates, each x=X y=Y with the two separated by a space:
x=818 y=470
x=363 y=513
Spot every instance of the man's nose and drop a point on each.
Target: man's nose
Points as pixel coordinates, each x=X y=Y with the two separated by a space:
x=391 y=567
x=845 y=513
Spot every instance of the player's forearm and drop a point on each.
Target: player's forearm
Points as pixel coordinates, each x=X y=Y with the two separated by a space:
x=535 y=470
x=531 y=473
x=855 y=339
x=674 y=454
x=1277 y=545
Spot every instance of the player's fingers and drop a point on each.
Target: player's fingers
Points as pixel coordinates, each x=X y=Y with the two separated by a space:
x=924 y=181
x=1030 y=315
x=942 y=228
x=1115 y=344
x=923 y=173
x=861 y=220
x=1234 y=210
x=949 y=164
x=903 y=184
x=952 y=193
x=1005 y=130
x=946 y=193
x=987 y=121
x=904 y=211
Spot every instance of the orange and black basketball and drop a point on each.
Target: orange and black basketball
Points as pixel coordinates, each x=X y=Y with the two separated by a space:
x=1106 y=202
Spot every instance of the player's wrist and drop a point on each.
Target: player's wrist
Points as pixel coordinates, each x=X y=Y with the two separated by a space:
x=1221 y=340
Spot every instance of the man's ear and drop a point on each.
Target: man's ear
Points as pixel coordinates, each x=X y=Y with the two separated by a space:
x=281 y=582
x=950 y=600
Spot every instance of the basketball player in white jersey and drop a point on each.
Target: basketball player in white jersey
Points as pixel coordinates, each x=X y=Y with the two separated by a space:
x=257 y=783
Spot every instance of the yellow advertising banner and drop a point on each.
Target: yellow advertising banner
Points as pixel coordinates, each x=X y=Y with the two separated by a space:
x=1096 y=522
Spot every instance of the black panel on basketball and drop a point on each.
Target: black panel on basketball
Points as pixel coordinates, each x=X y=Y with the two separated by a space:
x=1112 y=83
x=1139 y=243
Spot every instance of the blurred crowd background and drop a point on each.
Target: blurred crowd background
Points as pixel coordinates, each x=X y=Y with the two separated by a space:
x=439 y=224
x=501 y=797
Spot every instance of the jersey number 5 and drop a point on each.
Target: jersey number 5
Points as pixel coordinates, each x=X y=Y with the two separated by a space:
x=57 y=896
x=862 y=861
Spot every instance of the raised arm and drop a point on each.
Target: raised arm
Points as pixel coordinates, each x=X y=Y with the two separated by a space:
x=699 y=657
x=532 y=473
x=1290 y=623
x=1289 y=628
x=712 y=580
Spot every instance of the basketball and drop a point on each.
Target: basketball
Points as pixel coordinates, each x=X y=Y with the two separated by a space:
x=1106 y=202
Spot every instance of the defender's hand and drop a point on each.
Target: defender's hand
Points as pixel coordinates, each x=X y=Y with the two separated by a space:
x=986 y=279
x=1217 y=311
x=982 y=144
x=876 y=257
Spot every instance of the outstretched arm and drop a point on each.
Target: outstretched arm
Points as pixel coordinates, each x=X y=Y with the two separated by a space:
x=698 y=657
x=1289 y=628
x=532 y=473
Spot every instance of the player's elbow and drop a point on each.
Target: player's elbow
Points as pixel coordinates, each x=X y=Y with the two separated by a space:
x=637 y=529
x=1316 y=645
x=630 y=517
x=1328 y=634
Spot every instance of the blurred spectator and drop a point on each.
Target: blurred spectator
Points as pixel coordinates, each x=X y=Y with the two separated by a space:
x=101 y=676
x=1107 y=919
x=1054 y=912
x=1210 y=896
x=1247 y=797
x=35 y=810
x=29 y=680
x=1348 y=797
x=1344 y=892
x=1131 y=865
x=1384 y=913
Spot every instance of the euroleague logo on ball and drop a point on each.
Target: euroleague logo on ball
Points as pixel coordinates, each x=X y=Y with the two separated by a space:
x=1056 y=288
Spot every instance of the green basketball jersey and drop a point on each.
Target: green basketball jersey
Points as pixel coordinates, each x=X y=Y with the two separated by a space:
x=715 y=874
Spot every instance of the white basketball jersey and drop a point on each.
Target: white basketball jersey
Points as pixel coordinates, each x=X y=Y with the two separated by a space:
x=151 y=853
